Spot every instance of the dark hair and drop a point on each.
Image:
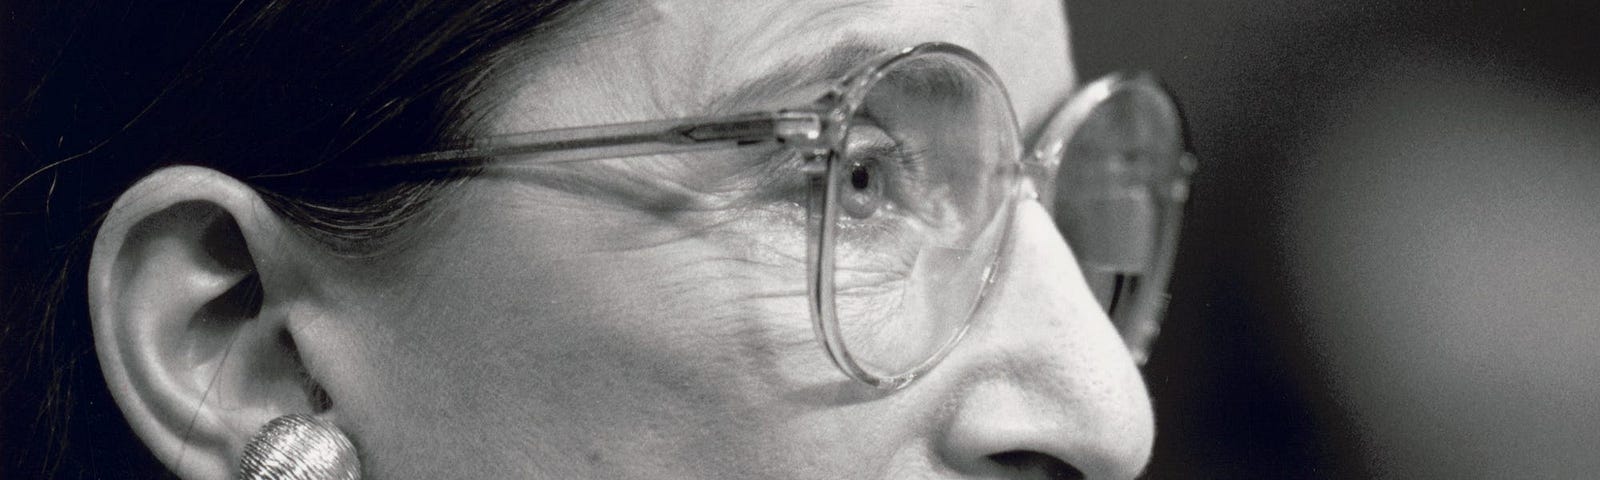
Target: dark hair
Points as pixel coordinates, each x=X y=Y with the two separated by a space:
x=278 y=94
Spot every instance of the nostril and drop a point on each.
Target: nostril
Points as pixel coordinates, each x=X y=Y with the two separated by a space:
x=1035 y=463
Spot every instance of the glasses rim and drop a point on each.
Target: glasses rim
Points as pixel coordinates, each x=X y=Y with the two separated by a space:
x=817 y=130
x=1137 y=300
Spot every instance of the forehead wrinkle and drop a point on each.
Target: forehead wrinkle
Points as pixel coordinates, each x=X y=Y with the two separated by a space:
x=779 y=58
x=795 y=73
x=781 y=27
x=777 y=44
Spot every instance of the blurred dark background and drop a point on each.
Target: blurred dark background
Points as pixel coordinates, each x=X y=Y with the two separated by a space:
x=1391 y=263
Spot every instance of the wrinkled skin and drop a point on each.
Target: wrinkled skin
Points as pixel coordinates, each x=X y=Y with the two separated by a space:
x=569 y=333
x=561 y=323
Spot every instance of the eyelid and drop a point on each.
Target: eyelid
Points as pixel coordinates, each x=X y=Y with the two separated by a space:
x=907 y=168
x=866 y=137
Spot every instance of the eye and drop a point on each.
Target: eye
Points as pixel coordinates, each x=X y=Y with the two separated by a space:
x=860 y=177
x=863 y=195
x=880 y=171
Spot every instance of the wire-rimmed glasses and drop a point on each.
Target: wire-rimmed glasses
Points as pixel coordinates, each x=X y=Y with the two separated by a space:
x=913 y=164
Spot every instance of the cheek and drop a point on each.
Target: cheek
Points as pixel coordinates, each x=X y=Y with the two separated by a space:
x=581 y=330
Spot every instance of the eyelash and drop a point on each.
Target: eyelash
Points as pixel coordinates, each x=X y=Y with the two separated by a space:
x=909 y=160
x=900 y=167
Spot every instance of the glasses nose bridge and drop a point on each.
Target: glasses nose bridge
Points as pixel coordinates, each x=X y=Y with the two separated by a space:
x=1044 y=150
x=1041 y=160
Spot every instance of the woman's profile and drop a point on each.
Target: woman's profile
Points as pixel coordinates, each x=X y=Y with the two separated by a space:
x=584 y=239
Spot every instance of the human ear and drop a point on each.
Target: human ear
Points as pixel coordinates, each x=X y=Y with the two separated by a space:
x=191 y=284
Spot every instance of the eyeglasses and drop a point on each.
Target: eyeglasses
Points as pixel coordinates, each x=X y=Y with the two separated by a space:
x=912 y=165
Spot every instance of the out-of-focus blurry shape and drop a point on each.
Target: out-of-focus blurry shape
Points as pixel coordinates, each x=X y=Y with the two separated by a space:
x=1445 y=240
x=1390 y=264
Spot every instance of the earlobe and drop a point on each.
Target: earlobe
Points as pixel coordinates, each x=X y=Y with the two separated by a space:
x=188 y=281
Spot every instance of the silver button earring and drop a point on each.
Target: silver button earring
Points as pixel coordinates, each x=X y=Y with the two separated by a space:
x=299 y=447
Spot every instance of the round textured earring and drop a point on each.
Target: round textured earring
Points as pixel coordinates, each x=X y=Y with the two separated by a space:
x=299 y=447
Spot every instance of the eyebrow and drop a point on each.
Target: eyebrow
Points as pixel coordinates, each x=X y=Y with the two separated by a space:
x=799 y=72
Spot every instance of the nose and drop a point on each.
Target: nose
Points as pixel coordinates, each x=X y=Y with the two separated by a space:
x=1046 y=388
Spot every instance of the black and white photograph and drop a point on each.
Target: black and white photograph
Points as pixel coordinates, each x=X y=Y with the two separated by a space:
x=802 y=239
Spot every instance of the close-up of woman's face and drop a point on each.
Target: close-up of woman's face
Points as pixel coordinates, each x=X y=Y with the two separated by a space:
x=562 y=322
x=783 y=239
x=648 y=316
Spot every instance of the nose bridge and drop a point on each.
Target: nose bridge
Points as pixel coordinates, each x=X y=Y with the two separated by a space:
x=1043 y=370
x=1039 y=309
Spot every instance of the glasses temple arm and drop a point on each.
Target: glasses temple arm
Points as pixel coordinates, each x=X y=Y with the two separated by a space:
x=621 y=140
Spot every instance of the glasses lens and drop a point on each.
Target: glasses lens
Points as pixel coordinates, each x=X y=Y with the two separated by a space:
x=1118 y=199
x=921 y=190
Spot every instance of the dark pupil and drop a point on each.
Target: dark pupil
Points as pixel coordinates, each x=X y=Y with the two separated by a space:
x=860 y=178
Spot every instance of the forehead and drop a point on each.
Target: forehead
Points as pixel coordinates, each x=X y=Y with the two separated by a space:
x=643 y=60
